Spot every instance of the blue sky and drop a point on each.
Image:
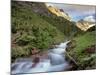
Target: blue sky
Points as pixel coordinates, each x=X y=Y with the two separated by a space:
x=76 y=12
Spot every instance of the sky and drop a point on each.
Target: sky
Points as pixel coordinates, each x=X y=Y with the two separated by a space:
x=77 y=12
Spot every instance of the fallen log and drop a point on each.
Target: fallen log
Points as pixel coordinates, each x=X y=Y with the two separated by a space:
x=73 y=64
x=71 y=59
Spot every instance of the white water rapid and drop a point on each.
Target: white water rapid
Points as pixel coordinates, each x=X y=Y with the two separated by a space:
x=55 y=62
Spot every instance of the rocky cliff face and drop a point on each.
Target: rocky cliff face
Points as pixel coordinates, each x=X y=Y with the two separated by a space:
x=85 y=25
x=58 y=12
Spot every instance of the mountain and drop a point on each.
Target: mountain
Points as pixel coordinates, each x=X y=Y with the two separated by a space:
x=59 y=12
x=86 y=23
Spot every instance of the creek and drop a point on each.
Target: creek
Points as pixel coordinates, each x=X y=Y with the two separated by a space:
x=54 y=63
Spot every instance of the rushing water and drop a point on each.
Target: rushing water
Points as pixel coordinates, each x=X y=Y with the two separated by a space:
x=54 y=62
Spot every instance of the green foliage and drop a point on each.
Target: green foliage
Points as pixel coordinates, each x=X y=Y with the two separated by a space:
x=32 y=31
x=24 y=40
x=62 y=24
x=85 y=41
x=20 y=51
x=84 y=59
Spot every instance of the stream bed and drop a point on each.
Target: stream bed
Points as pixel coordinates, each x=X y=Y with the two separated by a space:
x=54 y=63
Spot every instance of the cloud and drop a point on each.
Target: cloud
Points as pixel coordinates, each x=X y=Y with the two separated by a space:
x=75 y=10
x=89 y=18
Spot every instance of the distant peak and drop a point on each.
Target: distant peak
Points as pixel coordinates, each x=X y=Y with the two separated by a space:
x=84 y=25
x=58 y=12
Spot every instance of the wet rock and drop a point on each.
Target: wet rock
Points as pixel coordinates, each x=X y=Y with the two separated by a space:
x=34 y=51
x=71 y=45
x=36 y=59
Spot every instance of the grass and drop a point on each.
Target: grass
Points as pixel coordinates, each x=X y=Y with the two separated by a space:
x=84 y=60
x=84 y=41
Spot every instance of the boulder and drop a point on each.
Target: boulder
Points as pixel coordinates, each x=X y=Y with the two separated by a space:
x=34 y=51
x=71 y=45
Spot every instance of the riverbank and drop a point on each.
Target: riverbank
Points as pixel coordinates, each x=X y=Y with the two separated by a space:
x=82 y=51
x=31 y=52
